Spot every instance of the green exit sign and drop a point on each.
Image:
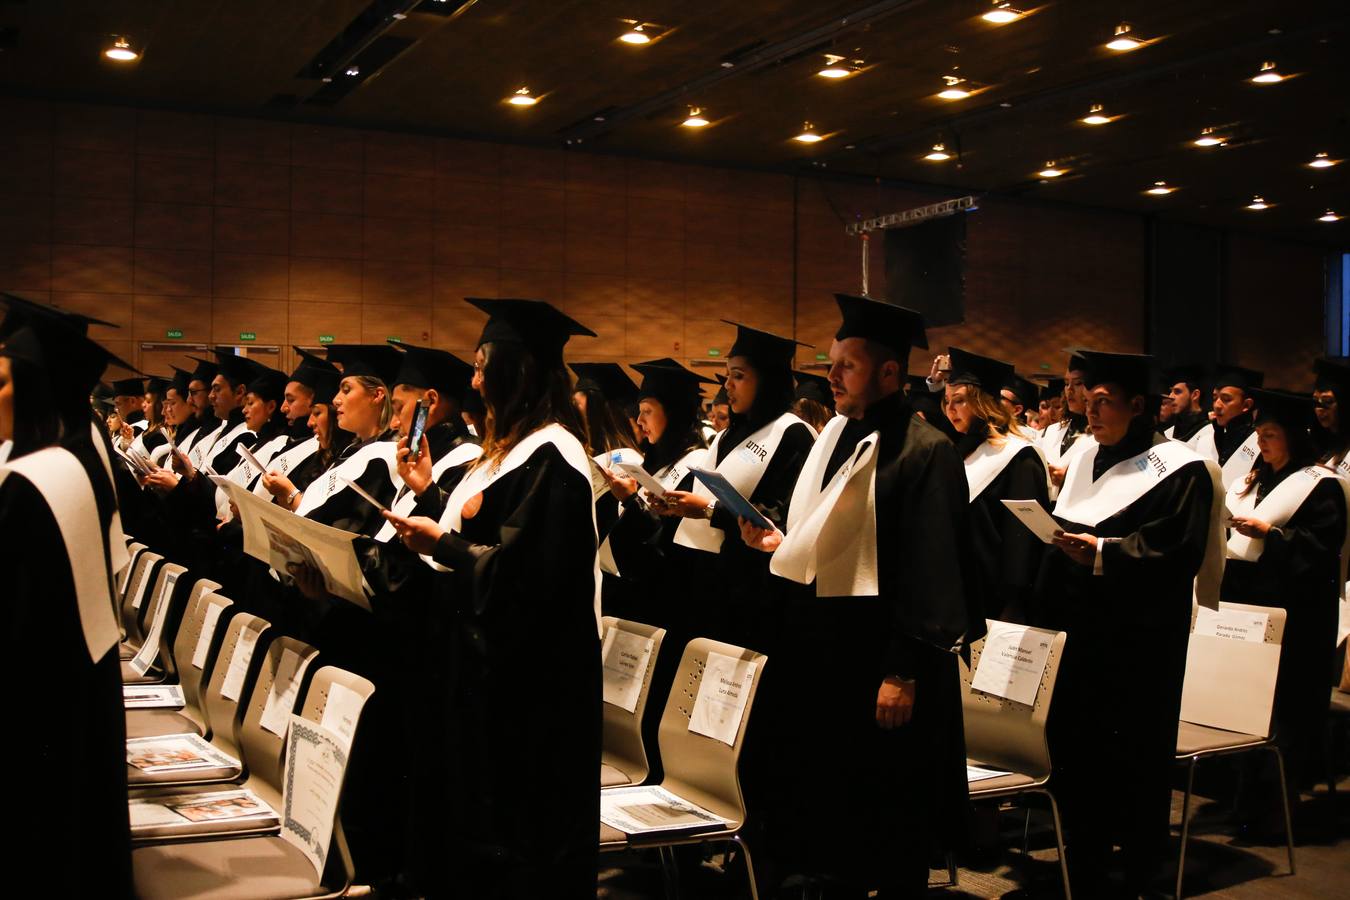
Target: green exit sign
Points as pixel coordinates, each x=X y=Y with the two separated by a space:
x=822 y=357
x=175 y=333
x=713 y=351
x=393 y=339
x=248 y=335
x=325 y=339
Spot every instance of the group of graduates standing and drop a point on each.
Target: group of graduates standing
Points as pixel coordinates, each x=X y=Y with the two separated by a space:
x=511 y=526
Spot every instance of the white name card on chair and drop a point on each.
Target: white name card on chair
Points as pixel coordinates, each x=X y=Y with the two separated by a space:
x=624 y=657
x=239 y=662
x=1013 y=661
x=149 y=651
x=341 y=709
x=1232 y=624
x=722 y=695
x=141 y=586
x=208 y=631
x=276 y=714
x=315 y=762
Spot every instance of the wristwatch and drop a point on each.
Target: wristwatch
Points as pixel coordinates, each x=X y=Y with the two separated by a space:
x=708 y=510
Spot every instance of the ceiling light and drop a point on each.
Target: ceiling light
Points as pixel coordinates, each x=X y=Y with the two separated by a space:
x=1051 y=170
x=1124 y=40
x=1329 y=216
x=1258 y=203
x=938 y=153
x=635 y=35
x=1208 y=138
x=808 y=135
x=353 y=71
x=696 y=118
x=953 y=89
x=1267 y=75
x=837 y=66
x=1095 y=116
x=522 y=97
x=120 y=49
x=1002 y=13
x=1160 y=188
x=1322 y=161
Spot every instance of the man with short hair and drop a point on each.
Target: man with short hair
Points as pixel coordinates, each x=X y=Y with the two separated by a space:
x=1069 y=435
x=127 y=397
x=1183 y=410
x=1230 y=438
x=878 y=604
x=1331 y=434
x=1142 y=534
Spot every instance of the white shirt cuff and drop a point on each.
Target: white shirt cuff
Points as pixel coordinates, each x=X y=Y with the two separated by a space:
x=1097 y=560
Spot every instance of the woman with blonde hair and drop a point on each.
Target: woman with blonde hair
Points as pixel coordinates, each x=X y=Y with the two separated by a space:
x=1001 y=464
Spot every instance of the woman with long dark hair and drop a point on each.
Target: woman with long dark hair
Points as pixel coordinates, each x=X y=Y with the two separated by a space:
x=517 y=546
x=1287 y=549
x=58 y=565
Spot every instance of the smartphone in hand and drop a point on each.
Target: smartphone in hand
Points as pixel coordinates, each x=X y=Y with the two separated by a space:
x=419 y=426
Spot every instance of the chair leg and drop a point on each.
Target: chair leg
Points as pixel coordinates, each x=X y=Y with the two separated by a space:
x=1059 y=844
x=1185 y=824
x=670 y=872
x=749 y=865
x=952 y=874
x=1284 y=798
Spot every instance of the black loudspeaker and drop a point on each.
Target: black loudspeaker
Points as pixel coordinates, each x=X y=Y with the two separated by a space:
x=926 y=268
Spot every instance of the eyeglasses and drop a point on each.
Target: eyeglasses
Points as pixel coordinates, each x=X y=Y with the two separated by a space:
x=1329 y=403
x=192 y=393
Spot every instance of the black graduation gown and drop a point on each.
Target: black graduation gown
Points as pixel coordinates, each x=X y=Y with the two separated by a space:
x=1228 y=438
x=1185 y=426
x=1118 y=694
x=348 y=510
x=224 y=458
x=854 y=801
x=65 y=748
x=1299 y=571
x=1007 y=555
x=525 y=771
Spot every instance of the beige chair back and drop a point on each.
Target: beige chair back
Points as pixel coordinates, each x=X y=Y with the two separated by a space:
x=134 y=550
x=1230 y=683
x=262 y=750
x=137 y=596
x=621 y=743
x=202 y=599
x=222 y=713
x=169 y=598
x=1005 y=734
x=697 y=767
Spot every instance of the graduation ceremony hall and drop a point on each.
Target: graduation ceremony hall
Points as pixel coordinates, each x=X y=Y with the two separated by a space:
x=652 y=450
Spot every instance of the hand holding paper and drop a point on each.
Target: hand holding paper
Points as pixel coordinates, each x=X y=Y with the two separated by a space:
x=1031 y=514
x=731 y=499
x=643 y=477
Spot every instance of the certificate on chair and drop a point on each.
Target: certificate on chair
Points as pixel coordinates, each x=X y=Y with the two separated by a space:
x=982 y=773
x=174 y=752
x=153 y=696
x=624 y=657
x=652 y=809
x=1012 y=662
x=722 y=695
x=1034 y=517
x=312 y=782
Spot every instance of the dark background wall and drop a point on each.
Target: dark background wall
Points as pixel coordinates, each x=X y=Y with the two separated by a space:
x=215 y=226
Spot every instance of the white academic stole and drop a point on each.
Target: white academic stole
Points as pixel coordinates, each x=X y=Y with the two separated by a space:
x=832 y=530
x=743 y=467
x=284 y=462
x=118 y=557
x=466 y=452
x=1277 y=508
x=1238 y=465
x=6 y=447
x=201 y=448
x=331 y=481
x=223 y=442
x=243 y=472
x=1053 y=439
x=1087 y=502
x=987 y=462
x=609 y=461
x=61 y=480
x=481 y=477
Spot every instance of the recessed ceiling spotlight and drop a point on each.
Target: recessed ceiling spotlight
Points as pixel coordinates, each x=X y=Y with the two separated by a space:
x=1322 y=161
x=954 y=89
x=1208 y=138
x=1160 y=188
x=353 y=71
x=1258 y=203
x=1051 y=170
x=1096 y=116
x=1124 y=39
x=938 y=153
x=120 y=49
x=1267 y=75
x=696 y=119
x=808 y=135
x=1002 y=13
x=635 y=35
x=522 y=97
x=837 y=66
x=1329 y=216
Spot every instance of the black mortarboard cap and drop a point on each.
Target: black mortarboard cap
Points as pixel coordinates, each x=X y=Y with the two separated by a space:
x=71 y=361
x=205 y=372
x=1332 y=375
x=537 y=324
x=157 y=385
x=985 y=372
x=313 y=367
x=608 y=379
x=269 y=384
x=814 y=387
x=1189 y=374
x=669 y=382
x=428 y=368
x=237 y=369
x=128 y=387
x=373 y=360
x=179 y=382
x=763 y=346
x=1027 y=392
x=1129 y=370
x=1228 y=375
x=1293 y=412
x=20 y=311
x=887 y=324
x=1053 y=388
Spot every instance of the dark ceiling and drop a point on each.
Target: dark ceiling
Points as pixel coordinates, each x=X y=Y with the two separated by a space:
x=446 y=67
